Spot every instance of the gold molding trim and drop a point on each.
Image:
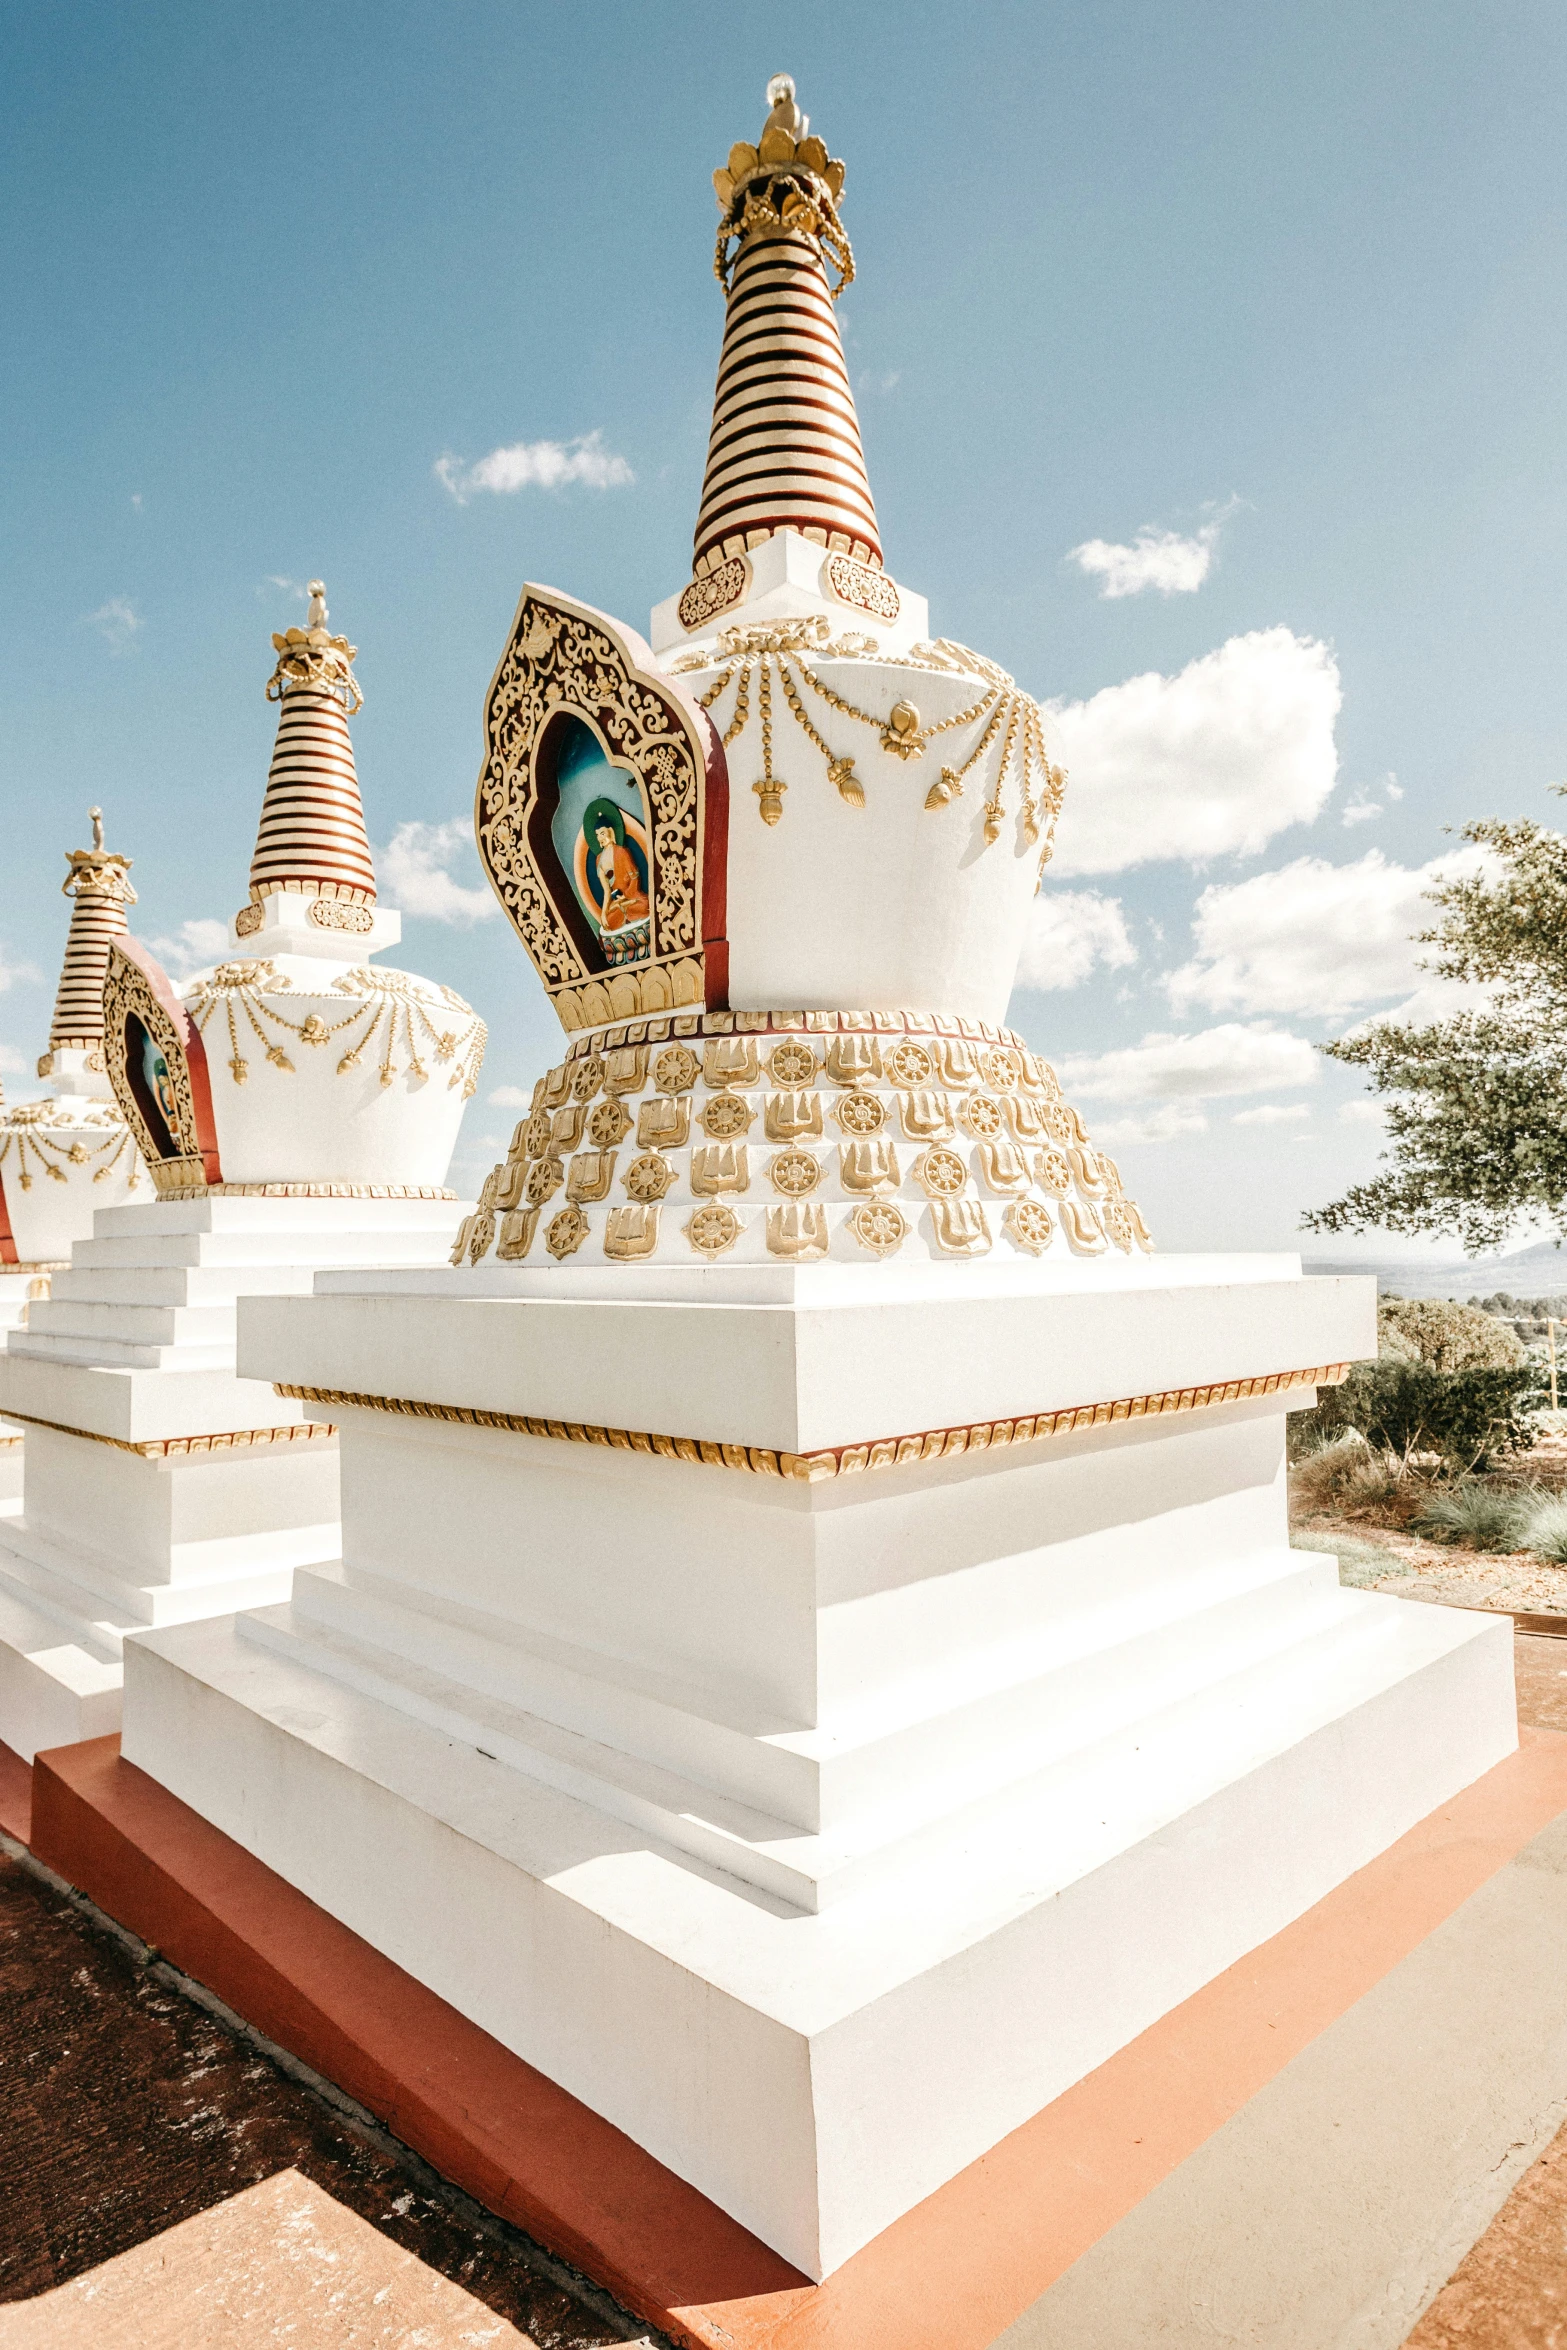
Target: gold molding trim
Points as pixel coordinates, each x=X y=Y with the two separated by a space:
x=843 y=1460
x=162 y=1448
x=303 y=1190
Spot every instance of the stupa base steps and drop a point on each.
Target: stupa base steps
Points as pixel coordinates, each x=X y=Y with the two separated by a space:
x=814 y=1816
x=819 y=2075
x=194 y=1534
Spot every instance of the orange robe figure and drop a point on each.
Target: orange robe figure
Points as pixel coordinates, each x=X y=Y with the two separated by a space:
x=624 y=899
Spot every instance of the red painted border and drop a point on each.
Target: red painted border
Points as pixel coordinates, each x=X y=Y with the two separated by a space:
x=16 y=1795
x=190 y=1044
x=953 y=2273
x=8 y=1248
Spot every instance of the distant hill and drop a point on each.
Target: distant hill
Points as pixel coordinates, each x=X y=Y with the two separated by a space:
x=1540 y=1269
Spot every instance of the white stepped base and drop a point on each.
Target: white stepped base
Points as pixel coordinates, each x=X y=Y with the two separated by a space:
x=818 y=2075
x=128 y=1359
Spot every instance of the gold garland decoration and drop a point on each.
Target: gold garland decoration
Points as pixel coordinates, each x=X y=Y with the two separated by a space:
x=392 y=1001
x=786 y=650
x=55 y=1158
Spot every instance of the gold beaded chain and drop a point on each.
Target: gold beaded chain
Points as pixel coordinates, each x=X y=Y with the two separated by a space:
x=1002 y=706
x=76 y=1153
x=390 y=996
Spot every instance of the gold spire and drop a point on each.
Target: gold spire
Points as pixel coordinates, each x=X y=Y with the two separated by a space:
x=785 y=450
x=312 y=836
x=98 y=885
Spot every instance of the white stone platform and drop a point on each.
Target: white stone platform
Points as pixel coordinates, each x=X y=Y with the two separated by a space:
x=158 y=1485
x=817 y=1829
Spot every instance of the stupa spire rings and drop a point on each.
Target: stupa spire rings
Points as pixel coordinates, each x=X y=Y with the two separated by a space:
x=785 y=450
x=312 y=837
x=98 y=883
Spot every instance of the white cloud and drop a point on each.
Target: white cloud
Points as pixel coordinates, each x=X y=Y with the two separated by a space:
x=1310 y=936
x=1160 y=1122
x=1211 y=762
x=1360 y=812
x=1361 y=1113
x=195 y=945
x=117 y=622
x=1230 y=1059
x=1070 y=932
x=1271 y=1114
x=509 y=1097
x=17 y=974
x=414 y=872
x=1159 y=559
x=13 y=1063
x=543 y=465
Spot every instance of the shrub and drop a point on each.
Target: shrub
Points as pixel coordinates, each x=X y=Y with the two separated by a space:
x=1446 y=1336
x=1408 y=1407
x=1476 y=1515
x=1545 y=1532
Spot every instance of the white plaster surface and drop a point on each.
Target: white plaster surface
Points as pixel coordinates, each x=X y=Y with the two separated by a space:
x=316 y=1121
x=820 y=1833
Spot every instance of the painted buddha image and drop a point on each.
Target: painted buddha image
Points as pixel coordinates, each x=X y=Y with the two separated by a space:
x=600 y=830
x=620 y=892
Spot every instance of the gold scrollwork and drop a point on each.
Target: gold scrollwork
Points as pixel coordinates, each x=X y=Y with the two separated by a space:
x=563 y=656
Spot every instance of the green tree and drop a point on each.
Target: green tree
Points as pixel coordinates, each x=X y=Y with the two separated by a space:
x=1477 y=1103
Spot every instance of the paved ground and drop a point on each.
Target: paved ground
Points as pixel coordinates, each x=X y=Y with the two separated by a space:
x=164 y=2187
x=161 y=2183
x=1511 y=2291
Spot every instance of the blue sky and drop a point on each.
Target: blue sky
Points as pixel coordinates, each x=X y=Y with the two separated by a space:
x=1271 y=299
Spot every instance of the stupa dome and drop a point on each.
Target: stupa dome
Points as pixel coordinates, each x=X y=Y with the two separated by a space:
x=774 y=867
x=64 y=1157
x=296 y=1064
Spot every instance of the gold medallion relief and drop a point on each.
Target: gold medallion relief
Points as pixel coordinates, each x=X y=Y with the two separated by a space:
x=712 y=1229
x=795 y=1172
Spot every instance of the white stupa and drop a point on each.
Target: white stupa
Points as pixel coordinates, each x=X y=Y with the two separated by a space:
x=295 y=1108
x=817 y=1662
x=71 y=1153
